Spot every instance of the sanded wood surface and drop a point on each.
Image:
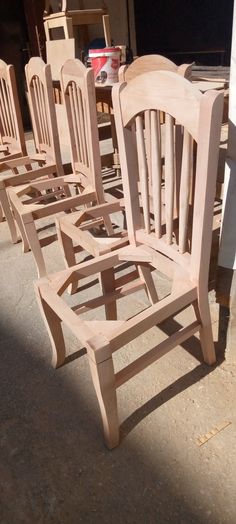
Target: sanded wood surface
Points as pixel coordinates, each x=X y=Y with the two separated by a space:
x=179 y=246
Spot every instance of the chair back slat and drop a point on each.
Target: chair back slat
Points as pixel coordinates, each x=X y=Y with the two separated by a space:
x=43 y=111
x=11 y=127
x=162 y=185
x=6 y=108
x=185 y=187
x=143 y=171
x=78 y=88
x=156 y=168
x=169 y=176
x=78 y=130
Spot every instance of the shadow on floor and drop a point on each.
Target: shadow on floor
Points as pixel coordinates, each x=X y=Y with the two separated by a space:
x=54 y=466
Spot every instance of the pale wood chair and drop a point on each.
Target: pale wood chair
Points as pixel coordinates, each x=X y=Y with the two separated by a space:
x=183 y=256
x=78 y=230
x=146 y=63
x=68 y=19
x=36 y=199
x=12 y=139
x=47 y=155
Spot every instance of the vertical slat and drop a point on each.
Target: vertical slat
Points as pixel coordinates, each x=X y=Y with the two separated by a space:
x=169 y=176
x=143 y=171
x=7 y=112
x=147 y=126
x=37 y=109
x=77 y=120
x=44 y=113
x=41 y=109
x=156 y=169
x=185 y=186
x=14 y=132
x=3 y=108
x=3 y=116
x=83 y=125
x=72 y=112
x=178 y=164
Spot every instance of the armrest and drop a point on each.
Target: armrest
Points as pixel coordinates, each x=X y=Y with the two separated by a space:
x=28 y=176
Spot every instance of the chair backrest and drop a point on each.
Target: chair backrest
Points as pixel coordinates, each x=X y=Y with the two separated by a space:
x=43 y=112
x=149 y=209
x=12 y=141
x=78 y=88
x=146 y=63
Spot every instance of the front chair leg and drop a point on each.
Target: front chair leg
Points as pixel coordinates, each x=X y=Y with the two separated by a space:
x=35 y=247
x=104 y=383
x=25 y=243
x=53 y=325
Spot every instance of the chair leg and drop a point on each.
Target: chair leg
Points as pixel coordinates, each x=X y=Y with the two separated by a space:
x=202 y=311
x=35 y=247
x=107 y=281
x=53 y=325
x=146 y=276
x=104 y=383
x=1 y=213
x=68 y=253
x=5 y=206
x=25 y=243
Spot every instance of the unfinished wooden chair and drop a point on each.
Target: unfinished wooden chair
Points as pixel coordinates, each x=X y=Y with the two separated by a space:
x=181 y=253
x=47 y=156
x=12 y=140
x=68 y=19
x=76 y=231
x=146 y=63
x=33 y=201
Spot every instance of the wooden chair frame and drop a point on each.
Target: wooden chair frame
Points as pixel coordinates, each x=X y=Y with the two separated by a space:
x=33 y=201
x=12 y=139
x=47 y=155
x=78 y=227
x=154 y=242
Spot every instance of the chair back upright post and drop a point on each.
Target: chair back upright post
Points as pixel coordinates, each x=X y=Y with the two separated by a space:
x=78 y=88
x=43 y=112
x=12 y=140
x=187 y=239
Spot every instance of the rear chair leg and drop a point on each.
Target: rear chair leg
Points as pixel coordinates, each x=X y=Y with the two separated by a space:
x=1 y=213
x=202 y=311
x=104 y=383
x=107 y=281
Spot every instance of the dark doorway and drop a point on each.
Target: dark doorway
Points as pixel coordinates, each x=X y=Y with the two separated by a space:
x=14 y=46
x=185 y=30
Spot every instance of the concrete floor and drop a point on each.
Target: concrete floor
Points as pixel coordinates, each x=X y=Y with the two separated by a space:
x=54 y=467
